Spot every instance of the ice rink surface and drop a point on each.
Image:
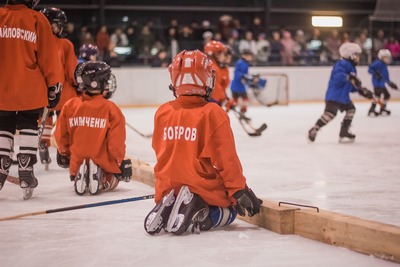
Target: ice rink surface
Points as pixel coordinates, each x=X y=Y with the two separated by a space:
x=360 y=179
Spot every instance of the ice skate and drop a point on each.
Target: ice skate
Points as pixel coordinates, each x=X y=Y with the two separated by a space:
x=188 y=212
x=27 y=178
x=5 y=164
x=345 y=136
x=372 y=112
x=312 y=133
x=158 y=217
x=96 y=175
x=81 y=180
x=44 y=155
x=384 y=111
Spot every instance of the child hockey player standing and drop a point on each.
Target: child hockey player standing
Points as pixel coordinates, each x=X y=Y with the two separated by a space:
x=240 y=80
x=30 y=80
x=343 y=81
x=58 y=20
x=199 y=178
x=380 y=75
x=216 y=51
x=91 y=134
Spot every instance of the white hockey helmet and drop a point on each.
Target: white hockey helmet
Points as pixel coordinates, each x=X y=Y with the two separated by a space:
x=349 y=50
x=384 y=53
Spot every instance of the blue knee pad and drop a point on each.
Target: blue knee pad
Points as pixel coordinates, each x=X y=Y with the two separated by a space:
x=222 y=216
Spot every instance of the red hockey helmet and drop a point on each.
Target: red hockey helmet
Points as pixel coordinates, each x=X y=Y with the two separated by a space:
x=215 y=47
x=192 y=73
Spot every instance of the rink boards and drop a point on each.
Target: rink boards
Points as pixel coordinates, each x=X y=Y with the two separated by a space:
x=369 y=237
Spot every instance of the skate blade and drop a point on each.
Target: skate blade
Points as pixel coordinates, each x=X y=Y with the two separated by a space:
x=28 y=192
x=346 y=140
x=46 y=166
x=175 y=220
x=153 y=224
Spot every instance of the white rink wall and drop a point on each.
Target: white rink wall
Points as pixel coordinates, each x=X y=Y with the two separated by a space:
x=149 y=86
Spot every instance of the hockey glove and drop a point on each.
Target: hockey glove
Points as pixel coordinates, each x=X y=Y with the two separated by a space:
x=63 y=160
x=366 y=93
x=393 y=85
x=126 y=170
x=247 y=200
x=53 y=94
x=354 y=80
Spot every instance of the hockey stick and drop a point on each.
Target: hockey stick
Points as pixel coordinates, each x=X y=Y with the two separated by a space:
x=13 y=179
x=141 y=134
x=85 y=206
x=246 y=121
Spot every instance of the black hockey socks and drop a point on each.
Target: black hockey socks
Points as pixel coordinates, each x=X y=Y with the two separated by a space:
x=5 y=164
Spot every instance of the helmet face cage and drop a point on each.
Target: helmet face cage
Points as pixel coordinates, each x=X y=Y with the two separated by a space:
x=56 y=16
x=110 y=87
x=29 y=3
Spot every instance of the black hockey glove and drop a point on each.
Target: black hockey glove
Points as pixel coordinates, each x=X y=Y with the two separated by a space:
x=126 y=171
x=392 y=85
x=247 y=200
x=53 y=94
x=63 y=160
x=354 y=80
x=366 y=93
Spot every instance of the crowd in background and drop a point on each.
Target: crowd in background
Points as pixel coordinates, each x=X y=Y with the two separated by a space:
x=155 y=46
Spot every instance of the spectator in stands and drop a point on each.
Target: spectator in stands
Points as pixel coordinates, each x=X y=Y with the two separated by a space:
x=186 y=41
x=146 y=41
x=256 y=27
x=301 y=54
x=196 y=31
x=233 y=43
x=73 y=36
x=362 y=41
x=103 y=40
x=132 y=37
x=172 y=46
x=315 y=45
x=119 y=38
x=248 y=43
x=225 y=26
x=332 y=44
x=378 y=43
x=237 y=25
x=205 y=27
x=393 y=46
x=86 y=36
x=111 y=57
x=218 y=37
x=161 y=60
x=275 y=57
x=207 y=36
x=263 y=49
x=345 y=38
x=173 y=24
x=288 y=48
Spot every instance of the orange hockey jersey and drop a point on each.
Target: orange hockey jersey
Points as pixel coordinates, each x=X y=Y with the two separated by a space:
x=91 y=128
x=29 y=63
x=69 y=61
x=194 y=145
x=221 y=83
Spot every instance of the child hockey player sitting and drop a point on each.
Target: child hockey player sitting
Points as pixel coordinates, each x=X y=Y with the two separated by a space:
x=342 y=82
x=91 y=134
x=380 y=75
x=199 y=178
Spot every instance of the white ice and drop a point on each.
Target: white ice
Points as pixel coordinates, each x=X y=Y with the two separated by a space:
x=360 y=179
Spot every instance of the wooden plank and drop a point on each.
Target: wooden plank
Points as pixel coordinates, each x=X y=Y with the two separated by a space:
x=368 y=237
x=273 y=217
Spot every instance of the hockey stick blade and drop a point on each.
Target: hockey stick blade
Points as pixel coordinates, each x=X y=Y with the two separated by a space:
x=259 y=131
x=84 y=206
x=139 y=133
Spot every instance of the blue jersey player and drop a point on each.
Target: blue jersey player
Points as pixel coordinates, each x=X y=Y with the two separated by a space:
x=380 y=75
x=343 y=81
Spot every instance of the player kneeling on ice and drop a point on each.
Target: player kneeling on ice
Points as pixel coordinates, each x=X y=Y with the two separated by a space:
x=380 y=75
x=343 y=81
x=91 y=134
x=199 y=179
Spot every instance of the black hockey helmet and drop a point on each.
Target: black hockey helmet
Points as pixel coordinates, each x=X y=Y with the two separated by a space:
x=58 y=17
x=88 y=50
x=95 y=77
x=29 y=3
